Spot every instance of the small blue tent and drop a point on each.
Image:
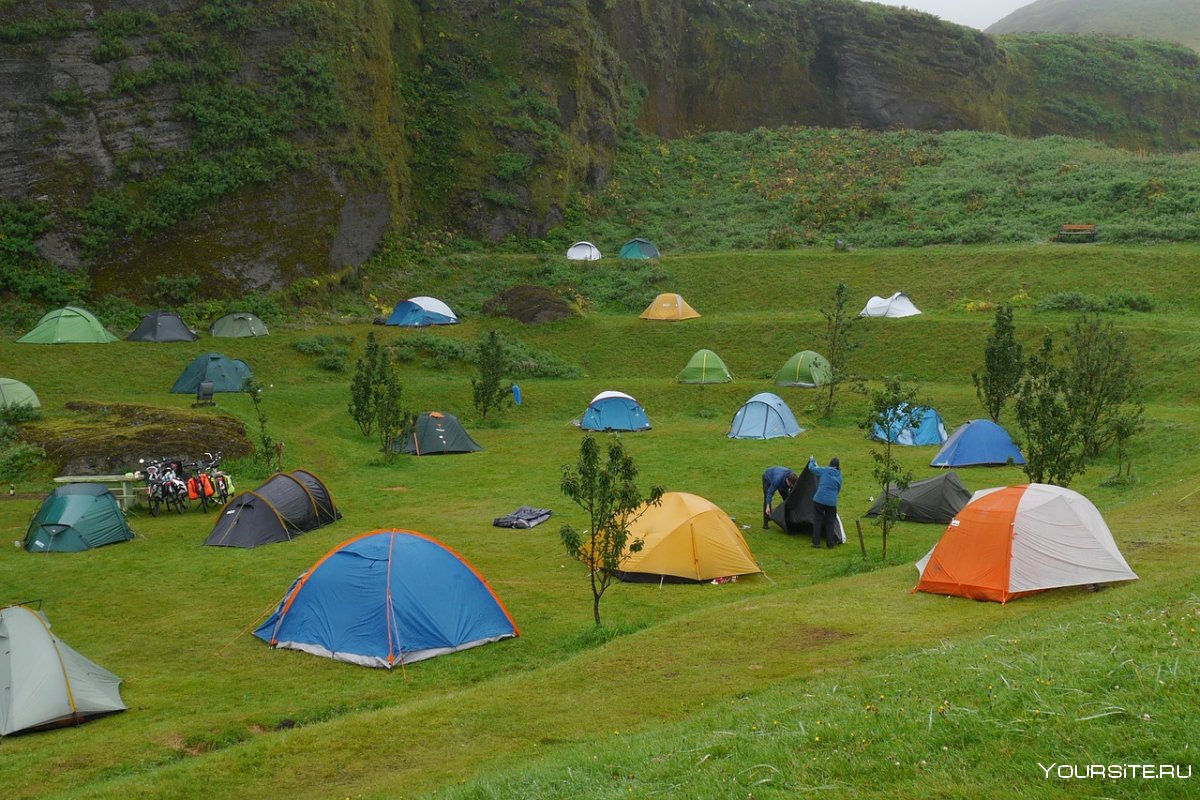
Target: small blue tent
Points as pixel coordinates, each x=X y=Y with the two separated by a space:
x=978 y=442
x=764 y=416
x=225 y=374
x=417 y=312
x=909 y=426
x=615 y=411
x=388 y=597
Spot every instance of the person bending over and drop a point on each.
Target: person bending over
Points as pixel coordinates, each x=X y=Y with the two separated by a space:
x=775 y=479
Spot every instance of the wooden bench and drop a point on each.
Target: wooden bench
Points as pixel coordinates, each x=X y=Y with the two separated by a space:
x=124 y=487
x=1076 y=233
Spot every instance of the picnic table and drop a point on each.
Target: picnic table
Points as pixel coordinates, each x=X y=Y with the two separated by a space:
x=123 y=487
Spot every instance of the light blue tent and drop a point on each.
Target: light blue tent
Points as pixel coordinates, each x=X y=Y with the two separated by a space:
x=909 y=426
x=764 y=416
x=614 y=411
x=224 y=373
x=388 y=597
x=417 y=312
x=978 y=442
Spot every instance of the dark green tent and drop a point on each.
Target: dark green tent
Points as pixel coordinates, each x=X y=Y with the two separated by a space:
x=437 y=433
x=225 y=374
x=77 y=516
x=639 y=248
x=936 y=499
x=239 y=324
x=162 y=326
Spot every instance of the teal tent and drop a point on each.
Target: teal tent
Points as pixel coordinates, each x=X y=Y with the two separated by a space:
x=74 y=517
x=225 y=374
x=639 y=248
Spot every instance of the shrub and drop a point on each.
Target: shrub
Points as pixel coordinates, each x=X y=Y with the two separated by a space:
x=18 y=461
x=332 y=363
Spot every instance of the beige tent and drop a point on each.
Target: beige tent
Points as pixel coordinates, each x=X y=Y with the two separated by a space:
x=670 y=308
x=686 y=539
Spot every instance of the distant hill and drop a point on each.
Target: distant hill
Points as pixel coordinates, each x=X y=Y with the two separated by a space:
x=1171 y=20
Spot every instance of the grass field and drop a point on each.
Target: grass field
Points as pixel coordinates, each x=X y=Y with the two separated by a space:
x=827 y=675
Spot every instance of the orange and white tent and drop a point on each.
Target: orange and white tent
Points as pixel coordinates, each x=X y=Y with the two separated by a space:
x=1012 y=541
x=670 y=308
x=686 y=538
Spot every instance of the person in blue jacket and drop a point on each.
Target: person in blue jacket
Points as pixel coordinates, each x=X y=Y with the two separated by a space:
x=775 y=479
x=829 y=484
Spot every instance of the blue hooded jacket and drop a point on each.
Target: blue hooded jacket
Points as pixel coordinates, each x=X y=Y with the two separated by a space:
x=829 y=483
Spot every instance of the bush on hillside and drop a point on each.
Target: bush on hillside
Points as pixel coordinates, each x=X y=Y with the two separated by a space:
x=1115 y=301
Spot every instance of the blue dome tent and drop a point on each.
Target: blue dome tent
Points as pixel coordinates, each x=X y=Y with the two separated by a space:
x=417 y=312
x=388 y=597
x=911 y=426
x=764 y=416
x=614 y=411
x=978 y=442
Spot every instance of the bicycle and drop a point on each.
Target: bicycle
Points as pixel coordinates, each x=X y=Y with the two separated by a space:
x=221 y=483
x=163 y=487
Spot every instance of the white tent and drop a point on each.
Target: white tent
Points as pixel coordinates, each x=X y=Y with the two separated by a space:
x=898 y=305
x=43 y=682
x=583 y=251
x=1012 y=541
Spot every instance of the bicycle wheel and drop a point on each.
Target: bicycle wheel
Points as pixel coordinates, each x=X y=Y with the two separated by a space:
x=222 y=488
x=153 y=501
x=178 y=501
x=203 y=498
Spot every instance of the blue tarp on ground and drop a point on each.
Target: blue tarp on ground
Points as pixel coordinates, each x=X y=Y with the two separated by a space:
x=919 y=425
x=764 y=416
x=978 y=442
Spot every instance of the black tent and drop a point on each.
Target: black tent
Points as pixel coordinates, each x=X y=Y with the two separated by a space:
x=936 y=499
x=795 y=515
x=162 y=326
x=438 y=433
x=287 y=505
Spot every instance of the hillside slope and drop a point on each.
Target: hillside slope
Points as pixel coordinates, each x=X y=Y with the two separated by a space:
x=1171 y=20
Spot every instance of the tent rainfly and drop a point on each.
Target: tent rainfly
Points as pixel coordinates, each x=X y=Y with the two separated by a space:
x=583 y=251
x=614 y=411
x=685 y=539
x=162 y=326
x=225 y=374
x=918 y=425
x=46 y=683
x=978 y=442
x=898 y=305
x=74 y=517
x=796 y=514
x=669 y=308
x=1016 y=540
x=806 y=369
x=285 y=506
x=704 y=366
x=639 y=248
x=15 y=393
x=437 y=433
x=68 y=325
x=417 y=312
x=764 y=416
x=388 y=597
x=935 y=499
x=238 y=325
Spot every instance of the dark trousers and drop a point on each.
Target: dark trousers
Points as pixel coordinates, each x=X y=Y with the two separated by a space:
x=825 y=525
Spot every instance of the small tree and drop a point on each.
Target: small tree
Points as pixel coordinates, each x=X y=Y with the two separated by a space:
x=270 y=451
x=886 y=407
x=1053 y=446
x=1002 y=365
x=362 y=387
x=608 y=494
x=1103 y=387
x=838 y=321
x=489 y=388
x=391 y=418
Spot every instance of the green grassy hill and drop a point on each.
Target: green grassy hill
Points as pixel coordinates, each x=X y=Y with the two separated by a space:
x=1171 y=20
x=827 y=673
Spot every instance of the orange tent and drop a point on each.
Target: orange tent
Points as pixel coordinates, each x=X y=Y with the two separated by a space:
x=669 y=308
x=1013 y=541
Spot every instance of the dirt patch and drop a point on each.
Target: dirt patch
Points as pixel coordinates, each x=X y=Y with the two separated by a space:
x=806 y=637
x=395 y=488
x=105 y=439
x=531 y=305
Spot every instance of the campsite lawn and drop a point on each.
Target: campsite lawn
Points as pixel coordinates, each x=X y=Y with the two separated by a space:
x=826 y=674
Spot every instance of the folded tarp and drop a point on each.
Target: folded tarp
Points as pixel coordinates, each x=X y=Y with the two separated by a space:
x=523 y=517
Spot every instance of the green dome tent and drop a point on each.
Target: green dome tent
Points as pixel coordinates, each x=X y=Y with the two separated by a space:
x=437 y=433
x=805 y=368
x=225 y=374
x=67 y=325
x=15 y=393
x=74 y=517
x=705 y=367
x=162 y=326
x=237 y=325
x=638 y=248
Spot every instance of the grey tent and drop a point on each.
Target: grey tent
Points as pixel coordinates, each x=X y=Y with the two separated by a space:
x=438 y=433
x=284 y=507
x=936 y=499
x=239 y=324
x=795 y=514
x=162 y=326
x=224 y=373
x=44 y=683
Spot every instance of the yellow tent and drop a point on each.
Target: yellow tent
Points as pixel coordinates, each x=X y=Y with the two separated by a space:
x=670 y=308
x=686 y=538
